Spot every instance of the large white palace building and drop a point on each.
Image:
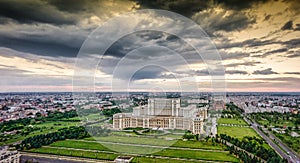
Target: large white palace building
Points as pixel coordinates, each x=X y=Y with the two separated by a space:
x=163 y=113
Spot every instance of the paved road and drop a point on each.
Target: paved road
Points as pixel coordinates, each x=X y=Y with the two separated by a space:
x=214 y=130
x=292 y=154
x=39 y=159
x=281 y=152
x=47 y=158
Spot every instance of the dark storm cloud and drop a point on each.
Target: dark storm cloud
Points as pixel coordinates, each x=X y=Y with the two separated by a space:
x=267 y=71
x=149 y=72
x=186 y=8
x=292 y=73
x=43 y=46
x=281 y=50
x=236 y=72
x=287 y=26
x=228 y=44
x=212 y=21
x=252 y=63
x=234 y=55
x=267 y=17
x=278 y=51
x=32 y=11
x=129 y=42
x=72 y=6
x=293 y=43
x=234 y=20
x=68 y=12
x=297 y=27
x=238 y=4
x=256 y=43
x=148 y=38
x=205 y=72
x=190 y=7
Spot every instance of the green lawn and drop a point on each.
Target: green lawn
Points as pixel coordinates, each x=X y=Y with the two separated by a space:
x=279 y=123
x=44 y=128
x=134 y=140
x=263 y=122
x=197 y=145
x=123 y=133
x=80 y=145
x=76 y=153
x=160 y=160
x=237 y=121
x=292 y=142
x=238 y=132
x=171 y=136
x=132 y=148
x=92 y=117
x=201 y=155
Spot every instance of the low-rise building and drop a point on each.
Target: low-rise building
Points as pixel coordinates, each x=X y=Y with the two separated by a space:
x=7 y=156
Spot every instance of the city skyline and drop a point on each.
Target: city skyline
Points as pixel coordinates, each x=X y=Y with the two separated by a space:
x=257 y=40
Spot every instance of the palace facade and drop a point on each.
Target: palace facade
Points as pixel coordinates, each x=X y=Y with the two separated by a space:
x=163 y=113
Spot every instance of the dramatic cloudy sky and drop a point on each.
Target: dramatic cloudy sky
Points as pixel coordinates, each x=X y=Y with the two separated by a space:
x=259 y=42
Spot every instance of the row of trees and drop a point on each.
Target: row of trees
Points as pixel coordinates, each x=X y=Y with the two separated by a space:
x=98 y=130
x=276 y=117
x=244 y=156
x=55 y=116
x=111 y=112
x=38 y=141
x=233 y=110
x=189 y=135
x=254 y=146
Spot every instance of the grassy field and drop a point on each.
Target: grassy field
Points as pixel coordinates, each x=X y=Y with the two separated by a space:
x=197 y=145
x=76 y=153
x=160 y=160
x=92 y=117
x=238 y=132
x=80 y=145
x=106 y=146
x=133 y=148
x=292 y=142
x=203 y=155
x=134 y=140
x=279 y=123
x=43 y=128
x=237 y=121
